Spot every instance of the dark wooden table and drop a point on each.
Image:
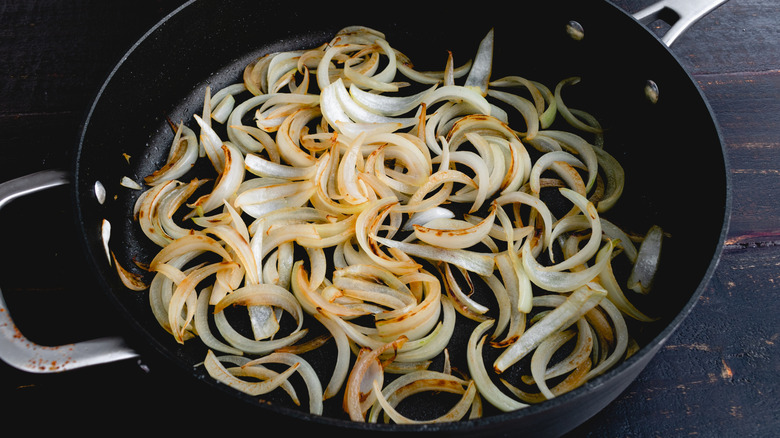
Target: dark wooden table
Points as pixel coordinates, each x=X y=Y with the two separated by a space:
x=716 y=377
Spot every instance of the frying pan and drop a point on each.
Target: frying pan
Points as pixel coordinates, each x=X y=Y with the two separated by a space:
x=670 y=147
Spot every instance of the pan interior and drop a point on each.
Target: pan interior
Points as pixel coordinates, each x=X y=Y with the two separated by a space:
x=670 y=149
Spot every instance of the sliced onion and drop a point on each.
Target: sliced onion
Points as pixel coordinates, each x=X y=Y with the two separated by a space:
x=646 y=265
x=306 y=371
x=332 y=202
x=221 y=374
x=480 y=375
x=558 y=318
x=355 y=382
x=464 y=236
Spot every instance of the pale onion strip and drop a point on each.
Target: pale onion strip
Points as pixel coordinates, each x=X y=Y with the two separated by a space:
x=181 y=157
x=161 y=286
x=517 y=285
x=223 y=101
x=481 y=264
x=258 y=371
x=458 y=93
x=278 y=68
x=538 y=205
x=350 y=188
x=218 y=371
x=466 y=304
x=240 y=134
x=479 y=74
x=238 y=243
x=563 y=281
x=360 y=114
x=312 y=301
x=563 y=109
x=487 y=389
x=417 y=321
x=578 y=145
x=477 y=195
x=435 y=342
x=389 y=71
x=557 y=319
x=594 y=241
x=211 y=143
x=264 y=193
x=355 y=381
x=252 y=346
x=341 y=368
x=306 y=371
x=231 y=177
x=260 y=166
x=376 y=274
x=579 y=355
x=504 y=305
x=170 y=206
x=615 y=179
x=263 y=207
x=389 y=105
x=495 y=160
x=541 y=357
x=264 y=294
x=263 y=320
x=425 y=216
x=322 y=199
x=372 y=288
x=617 y=297
x=288 y=137
x=201 y=322
x=364 y=231
x=643 y=272
x=222 y=110
x=545 y=162
x=405 y=385
x=187 y=244
x=525 y=107
x=325 y=64
x=461 y=237
x=432 y=77
x=524 y=294
x=184 y=298
x=262 y=373
x=621 y=335
x=575 y=379
x=533 y=89
x=442 y=179
x=548 y=116
x=148 y=217
x=520 y=167
x=456 y=413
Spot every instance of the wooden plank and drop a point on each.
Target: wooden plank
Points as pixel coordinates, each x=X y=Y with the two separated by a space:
x=747 y=108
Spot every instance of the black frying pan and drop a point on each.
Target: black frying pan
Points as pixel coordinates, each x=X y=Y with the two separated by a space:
x=670 y=149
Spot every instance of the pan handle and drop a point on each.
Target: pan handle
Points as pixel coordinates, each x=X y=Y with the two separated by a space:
x=20 y=352
x=680 y=14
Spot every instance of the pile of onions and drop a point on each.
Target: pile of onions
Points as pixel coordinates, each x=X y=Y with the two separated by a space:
x=375 y=206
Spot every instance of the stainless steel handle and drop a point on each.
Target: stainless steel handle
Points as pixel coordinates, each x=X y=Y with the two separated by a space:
x=680 y=14
x=15 y=348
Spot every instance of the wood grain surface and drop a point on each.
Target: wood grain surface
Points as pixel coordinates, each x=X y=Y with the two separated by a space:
x=717 y=376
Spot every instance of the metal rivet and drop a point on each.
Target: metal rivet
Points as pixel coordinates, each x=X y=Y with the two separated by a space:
x=651 y=91
x=575 y=30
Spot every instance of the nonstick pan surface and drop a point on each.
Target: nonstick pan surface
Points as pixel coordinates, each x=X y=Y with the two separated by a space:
x=671 y=151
